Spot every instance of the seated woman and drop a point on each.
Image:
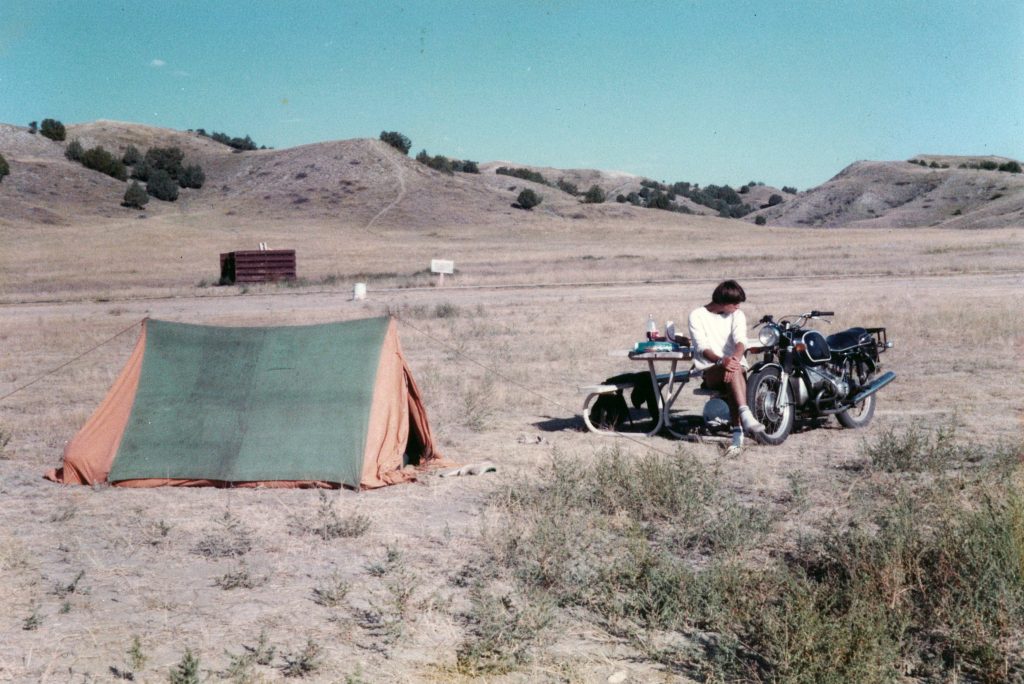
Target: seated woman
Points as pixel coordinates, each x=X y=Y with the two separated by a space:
x=718 y=331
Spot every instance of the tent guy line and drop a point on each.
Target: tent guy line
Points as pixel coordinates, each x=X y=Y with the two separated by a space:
x=71 y=361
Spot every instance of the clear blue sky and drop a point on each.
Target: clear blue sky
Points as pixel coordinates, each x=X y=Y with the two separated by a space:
x=714 y=92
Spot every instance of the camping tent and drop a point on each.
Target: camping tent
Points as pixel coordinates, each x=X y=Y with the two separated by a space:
x=316 y=405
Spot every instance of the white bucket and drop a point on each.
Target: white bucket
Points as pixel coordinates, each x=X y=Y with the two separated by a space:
x=359 y=291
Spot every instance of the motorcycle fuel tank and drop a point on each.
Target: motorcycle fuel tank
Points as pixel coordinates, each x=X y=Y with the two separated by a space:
x=815 y=348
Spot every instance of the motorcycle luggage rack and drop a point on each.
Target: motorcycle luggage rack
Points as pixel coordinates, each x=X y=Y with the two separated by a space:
x=881 y=339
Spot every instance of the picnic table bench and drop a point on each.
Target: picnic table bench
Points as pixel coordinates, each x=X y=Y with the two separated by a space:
x=662 y=388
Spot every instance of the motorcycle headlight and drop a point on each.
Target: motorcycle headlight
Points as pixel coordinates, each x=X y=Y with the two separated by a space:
x=769 y=336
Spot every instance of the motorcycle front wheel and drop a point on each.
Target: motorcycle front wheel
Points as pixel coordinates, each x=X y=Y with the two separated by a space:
x=858 y=416
x=763 y=388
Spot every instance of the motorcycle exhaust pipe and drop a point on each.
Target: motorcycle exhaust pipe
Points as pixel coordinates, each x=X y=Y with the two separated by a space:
x=879 y=382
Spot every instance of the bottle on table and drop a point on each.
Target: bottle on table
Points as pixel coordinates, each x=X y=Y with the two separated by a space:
x=652 y=327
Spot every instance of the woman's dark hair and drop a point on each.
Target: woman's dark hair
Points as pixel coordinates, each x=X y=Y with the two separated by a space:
x=728 y=292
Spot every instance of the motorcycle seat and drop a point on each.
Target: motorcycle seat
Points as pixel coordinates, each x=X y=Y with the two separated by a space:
x=848 y=339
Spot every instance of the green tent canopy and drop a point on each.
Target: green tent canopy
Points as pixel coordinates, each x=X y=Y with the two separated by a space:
x=316 y=405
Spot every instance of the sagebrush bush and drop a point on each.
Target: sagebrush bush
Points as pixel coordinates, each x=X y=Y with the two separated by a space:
x=5 y=169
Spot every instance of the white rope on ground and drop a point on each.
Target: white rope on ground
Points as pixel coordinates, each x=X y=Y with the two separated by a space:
x=71 y=361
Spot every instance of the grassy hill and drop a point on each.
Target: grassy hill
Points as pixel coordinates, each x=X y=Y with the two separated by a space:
x=354 y=180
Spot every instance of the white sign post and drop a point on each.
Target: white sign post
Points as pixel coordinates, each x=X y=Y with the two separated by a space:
x=441 y=267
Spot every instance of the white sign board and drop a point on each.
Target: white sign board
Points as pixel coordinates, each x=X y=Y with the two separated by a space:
x=442 y=266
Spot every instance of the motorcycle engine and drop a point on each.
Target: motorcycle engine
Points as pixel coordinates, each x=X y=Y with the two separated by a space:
x=827 y=385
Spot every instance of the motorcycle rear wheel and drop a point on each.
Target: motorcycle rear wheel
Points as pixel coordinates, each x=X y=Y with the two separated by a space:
x=858 y=416
x=763 y=389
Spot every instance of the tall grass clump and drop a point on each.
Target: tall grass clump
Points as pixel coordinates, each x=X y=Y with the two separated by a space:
x=926 y=580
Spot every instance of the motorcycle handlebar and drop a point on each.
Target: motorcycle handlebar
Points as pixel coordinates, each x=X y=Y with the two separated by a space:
x=815 y=314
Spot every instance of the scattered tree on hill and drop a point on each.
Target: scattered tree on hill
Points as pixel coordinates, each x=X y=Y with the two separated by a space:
x=567 y=187
x=760 y=220
x=525 y=174
x=439 y=163
x=1010 y=167
x=528 y=199
x=774 y=199
x=131 y=156
x=161 y=185
x=98 y=159
x=465 y=166
x=789 y=189
x=595 y=195
x=5 y=168
x=396 y=140
x=33 y=127
x=135 y=197
x=53 y=129
x=167 y=159
x=241 y=144
x=74 y=151
x=192 y=176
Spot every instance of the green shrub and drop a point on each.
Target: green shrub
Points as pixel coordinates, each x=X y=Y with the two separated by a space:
x=525 y=174
x=240 y=144
x=33 y=127
x=187 y=670
x=162 y=186
x=1010 y=167
x=135 y=197
x=53 y=129
x=595 y=195
x=774 y=199
x=988 y=165
x=760 y=220
x=98 y=159
x=396 y=140
x=5 y=168
x=567 y=187
x=131 y=156
x=74 y=151
x=438 y=163
x=167 y=159
x=465 y=166
x=789 y=189
x=528 y=199
x=192 y=176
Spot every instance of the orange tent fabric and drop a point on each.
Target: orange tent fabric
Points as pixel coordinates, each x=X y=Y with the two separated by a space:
x=397 y=429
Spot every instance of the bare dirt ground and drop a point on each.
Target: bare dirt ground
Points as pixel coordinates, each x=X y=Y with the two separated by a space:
x=85 y=571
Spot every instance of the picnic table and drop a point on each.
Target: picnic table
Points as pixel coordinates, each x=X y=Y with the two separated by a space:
x=667 y=385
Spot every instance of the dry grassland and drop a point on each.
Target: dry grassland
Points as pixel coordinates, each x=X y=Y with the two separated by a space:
x=403 y=584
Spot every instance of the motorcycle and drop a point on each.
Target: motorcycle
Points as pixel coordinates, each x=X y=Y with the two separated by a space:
x=807 y=374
